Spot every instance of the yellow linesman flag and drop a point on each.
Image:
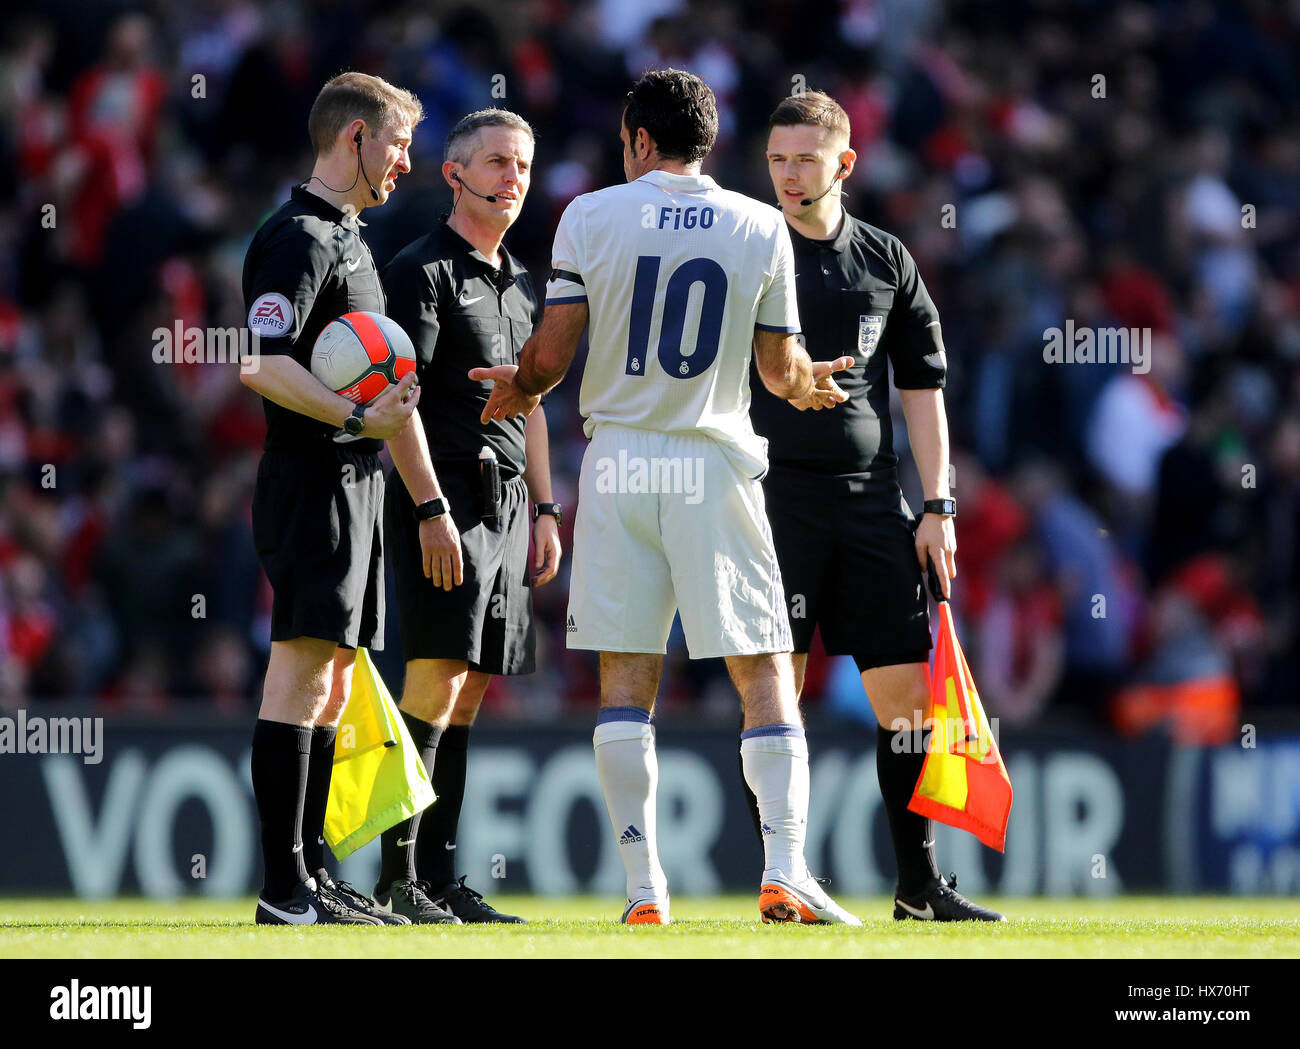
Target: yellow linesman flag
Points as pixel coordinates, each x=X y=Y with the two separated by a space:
x=378 y=779
x=963 y=782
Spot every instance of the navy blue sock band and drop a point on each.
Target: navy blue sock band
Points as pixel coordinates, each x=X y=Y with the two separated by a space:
x=773 y=730
x=608 y=714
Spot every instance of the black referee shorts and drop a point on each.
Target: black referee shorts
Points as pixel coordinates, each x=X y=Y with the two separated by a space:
x=848 y=564
x=317 y=529
x=488 y=620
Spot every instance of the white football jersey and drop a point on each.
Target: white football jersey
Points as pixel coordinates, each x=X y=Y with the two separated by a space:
x=676 y=273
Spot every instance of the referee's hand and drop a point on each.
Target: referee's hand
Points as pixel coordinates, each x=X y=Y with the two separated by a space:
x=936 y=540
x=389 y=413
x=440 y=549
x=825 y=392
x=546 y=549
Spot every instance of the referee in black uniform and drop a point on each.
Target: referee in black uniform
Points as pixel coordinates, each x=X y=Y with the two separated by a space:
x=850 y=551
x=320 y=489
x=465 y=602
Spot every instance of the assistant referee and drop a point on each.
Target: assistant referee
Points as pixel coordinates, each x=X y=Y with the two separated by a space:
x=850 y=551
x=459 y=541
x=320 y=488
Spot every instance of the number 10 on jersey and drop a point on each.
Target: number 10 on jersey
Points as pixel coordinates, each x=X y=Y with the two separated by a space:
x=673 y=316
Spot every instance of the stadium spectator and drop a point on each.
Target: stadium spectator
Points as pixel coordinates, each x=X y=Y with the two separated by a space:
x=1166 y=198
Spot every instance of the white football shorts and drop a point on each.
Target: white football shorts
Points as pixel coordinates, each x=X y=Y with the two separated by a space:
x=667 y=523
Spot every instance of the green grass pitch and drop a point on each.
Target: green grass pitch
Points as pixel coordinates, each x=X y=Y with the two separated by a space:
x=715 y=927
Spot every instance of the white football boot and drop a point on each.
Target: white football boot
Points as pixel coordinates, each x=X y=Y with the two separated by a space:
x=782 y=899
x=646 y=910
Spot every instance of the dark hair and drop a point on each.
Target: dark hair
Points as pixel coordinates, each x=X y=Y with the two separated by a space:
x=678 y=112
x=812 y=107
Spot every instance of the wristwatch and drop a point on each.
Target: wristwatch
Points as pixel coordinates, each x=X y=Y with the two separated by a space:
x=431 y=508
x=355 y=424
x=554 y=509
x=942 y=507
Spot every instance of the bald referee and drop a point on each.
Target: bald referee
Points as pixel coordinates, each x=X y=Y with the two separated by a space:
x=320 y=488
x=851 y=552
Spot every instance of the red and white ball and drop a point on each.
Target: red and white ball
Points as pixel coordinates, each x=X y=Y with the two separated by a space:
x=361 y=354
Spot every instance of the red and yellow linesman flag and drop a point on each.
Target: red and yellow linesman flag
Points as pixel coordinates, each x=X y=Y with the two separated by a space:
x=963 y=781
x=377 y=779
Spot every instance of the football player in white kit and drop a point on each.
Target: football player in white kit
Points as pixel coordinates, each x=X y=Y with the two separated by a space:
x=677 y=279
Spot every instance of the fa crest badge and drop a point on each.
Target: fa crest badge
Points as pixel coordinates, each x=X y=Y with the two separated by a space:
x=869 y=329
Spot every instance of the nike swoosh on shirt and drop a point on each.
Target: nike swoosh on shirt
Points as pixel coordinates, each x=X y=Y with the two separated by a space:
x=352 y=263
x=402 y=842
x=307 y=917
x=448 y=846
x=927 y=913
x=468 y=302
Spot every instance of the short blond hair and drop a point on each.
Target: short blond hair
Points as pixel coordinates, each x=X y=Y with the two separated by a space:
x=352 y=96
x=815 y=108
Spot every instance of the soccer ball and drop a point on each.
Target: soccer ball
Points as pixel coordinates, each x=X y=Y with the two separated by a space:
x=361 y=354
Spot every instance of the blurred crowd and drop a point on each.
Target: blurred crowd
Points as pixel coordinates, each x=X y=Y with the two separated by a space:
x=1128 y=540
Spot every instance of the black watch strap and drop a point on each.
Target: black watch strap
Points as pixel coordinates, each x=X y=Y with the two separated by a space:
x=553 y=509
x=943 y=507
x=432 y=508
x=355 y=424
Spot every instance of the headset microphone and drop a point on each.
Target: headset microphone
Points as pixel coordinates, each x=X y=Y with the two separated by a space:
x=490 y=198
x=813 y=200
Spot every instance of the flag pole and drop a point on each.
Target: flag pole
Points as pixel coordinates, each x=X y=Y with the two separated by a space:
x=946 y=625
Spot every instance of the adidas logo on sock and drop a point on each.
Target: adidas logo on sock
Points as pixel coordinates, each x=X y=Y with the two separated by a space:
x=573 y=627
x=631 y=836
x=767 y=830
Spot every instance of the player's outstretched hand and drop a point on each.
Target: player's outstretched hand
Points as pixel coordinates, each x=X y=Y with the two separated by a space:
x=440 y=551
x=389 y=413
x=825 y=392
x=546 y=552
x=506 y=400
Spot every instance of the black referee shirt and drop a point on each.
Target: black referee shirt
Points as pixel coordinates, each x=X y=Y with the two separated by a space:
x=462 y=313
x=859 y=294
x=307 y=265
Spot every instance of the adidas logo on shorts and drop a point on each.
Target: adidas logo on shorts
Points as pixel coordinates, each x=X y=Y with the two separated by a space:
x=631 y=836
x=573 y=627
x=767 y=830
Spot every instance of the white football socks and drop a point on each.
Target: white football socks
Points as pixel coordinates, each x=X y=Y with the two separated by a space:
x=629 y=776
x=775 y=760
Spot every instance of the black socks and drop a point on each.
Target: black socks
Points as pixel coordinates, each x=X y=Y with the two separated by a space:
x=281 y=760
x=913 y=835
x=397 y=844
x=317 y=798
x=437 y=848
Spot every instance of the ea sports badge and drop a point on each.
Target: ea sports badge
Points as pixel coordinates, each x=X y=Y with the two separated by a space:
x=869 y=328
x=271 y=315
